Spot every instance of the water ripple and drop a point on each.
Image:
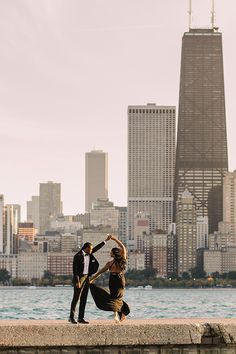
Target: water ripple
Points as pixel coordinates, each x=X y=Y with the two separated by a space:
x=54 y=303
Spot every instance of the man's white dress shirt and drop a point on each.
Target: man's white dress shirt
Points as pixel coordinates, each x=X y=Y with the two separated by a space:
x=86 y=262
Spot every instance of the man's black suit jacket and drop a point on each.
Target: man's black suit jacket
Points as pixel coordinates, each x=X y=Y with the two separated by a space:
x=78 y=263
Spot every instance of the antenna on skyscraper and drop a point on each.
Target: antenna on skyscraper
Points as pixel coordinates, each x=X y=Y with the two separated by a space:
x=213 y=15
x=190 y=15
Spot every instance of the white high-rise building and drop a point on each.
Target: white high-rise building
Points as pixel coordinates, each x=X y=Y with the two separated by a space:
x=151 y=164
x=96 y=177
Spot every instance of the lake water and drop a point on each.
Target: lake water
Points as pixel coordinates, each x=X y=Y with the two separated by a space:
x=54 y=303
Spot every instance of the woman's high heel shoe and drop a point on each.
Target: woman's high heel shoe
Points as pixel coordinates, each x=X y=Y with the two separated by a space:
x=123 y=317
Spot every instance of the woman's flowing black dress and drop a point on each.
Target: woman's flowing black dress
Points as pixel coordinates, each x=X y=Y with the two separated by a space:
x=111 y=301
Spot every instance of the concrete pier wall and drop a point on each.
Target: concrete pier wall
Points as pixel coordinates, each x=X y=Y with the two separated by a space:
x=162 y=336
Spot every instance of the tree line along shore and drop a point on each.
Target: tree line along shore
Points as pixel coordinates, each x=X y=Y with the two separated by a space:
x=134 y=278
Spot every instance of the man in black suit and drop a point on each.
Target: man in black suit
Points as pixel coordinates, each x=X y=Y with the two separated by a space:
x=84 y=265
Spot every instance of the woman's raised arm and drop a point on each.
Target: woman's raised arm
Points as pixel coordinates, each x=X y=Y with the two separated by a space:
x=119 y=243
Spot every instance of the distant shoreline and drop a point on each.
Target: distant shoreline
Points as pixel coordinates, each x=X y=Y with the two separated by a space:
x=136 y=288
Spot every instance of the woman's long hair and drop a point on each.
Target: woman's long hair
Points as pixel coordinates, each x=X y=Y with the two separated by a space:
x=119 y=259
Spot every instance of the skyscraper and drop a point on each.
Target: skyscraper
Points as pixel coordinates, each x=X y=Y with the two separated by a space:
x=186 y=228
x=122 y=224
x=1 y=222
x=201 y=157
x=202 y=232
x=229 y=193
x=33 y=211
x=96 y=177
x=151 y=158
x=141 y=231
x=50 y=204
x=229 y=206
x=11 y=218
x=172 y=249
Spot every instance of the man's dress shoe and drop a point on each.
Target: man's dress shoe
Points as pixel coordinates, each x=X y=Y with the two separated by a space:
x=82 y=321
x=72 y=320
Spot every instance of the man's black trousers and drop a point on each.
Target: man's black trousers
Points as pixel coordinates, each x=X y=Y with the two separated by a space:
x=80 y=295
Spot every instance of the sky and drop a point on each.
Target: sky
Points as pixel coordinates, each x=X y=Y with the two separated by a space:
x=68 y=71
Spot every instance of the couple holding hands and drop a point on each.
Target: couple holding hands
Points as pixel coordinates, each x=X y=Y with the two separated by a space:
x=84 y=266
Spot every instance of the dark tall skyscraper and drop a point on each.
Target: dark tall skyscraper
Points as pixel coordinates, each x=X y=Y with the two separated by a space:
x=201 y=156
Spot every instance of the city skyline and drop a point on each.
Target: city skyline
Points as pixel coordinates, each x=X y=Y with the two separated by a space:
x=64 y=72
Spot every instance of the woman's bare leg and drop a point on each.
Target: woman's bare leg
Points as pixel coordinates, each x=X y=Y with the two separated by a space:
x=116 y=317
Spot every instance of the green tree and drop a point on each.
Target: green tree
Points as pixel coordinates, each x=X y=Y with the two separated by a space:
x=197 y=273
x=173 y=275
x=48 y=278
x=4 y=276
x=185 y=276
x=149 y=273
x=232 y=275
x=48 y=274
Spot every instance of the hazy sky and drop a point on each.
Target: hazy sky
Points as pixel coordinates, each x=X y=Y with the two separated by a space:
x=68 y=71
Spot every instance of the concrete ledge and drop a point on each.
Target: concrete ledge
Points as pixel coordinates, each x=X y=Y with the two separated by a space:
x=43 y=333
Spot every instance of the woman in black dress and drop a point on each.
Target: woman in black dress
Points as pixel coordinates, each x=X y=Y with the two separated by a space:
x=112 y=301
